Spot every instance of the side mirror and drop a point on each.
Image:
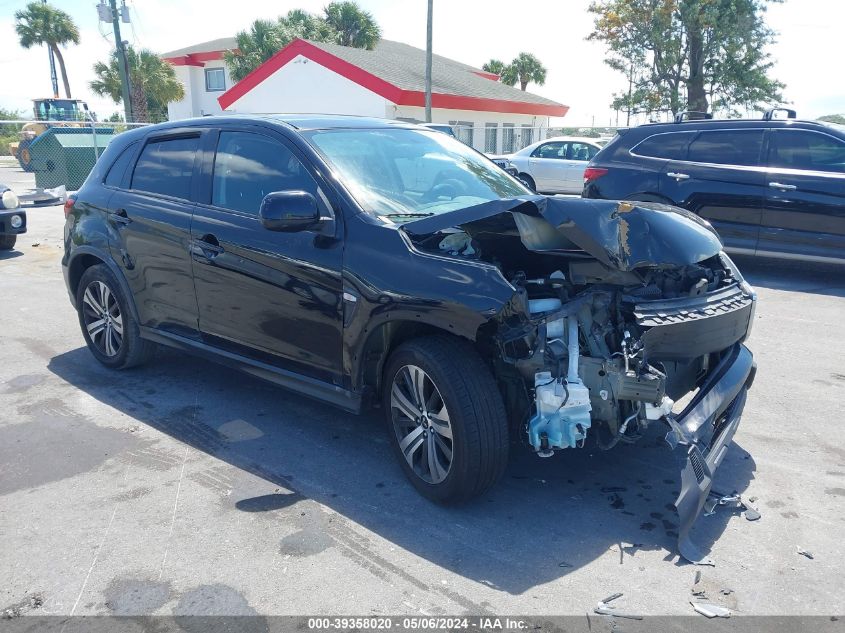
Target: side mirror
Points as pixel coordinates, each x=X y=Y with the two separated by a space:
x=289 y=211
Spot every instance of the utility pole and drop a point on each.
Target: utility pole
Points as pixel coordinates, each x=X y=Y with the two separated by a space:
x=110 y=13
x=53 y=77
x=428 y=40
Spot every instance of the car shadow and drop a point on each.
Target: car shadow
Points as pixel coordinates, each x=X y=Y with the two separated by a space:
x=545 y=518
x=10 y=254
x=782 y=274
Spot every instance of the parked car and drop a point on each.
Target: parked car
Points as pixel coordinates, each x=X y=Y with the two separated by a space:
x=773 y=187
x=309 y=252
x=501 y=162
x=12 y=218
x=555 y=165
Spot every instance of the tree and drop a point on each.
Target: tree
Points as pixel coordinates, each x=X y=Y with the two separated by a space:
x=525 y=68
x=688 y=54
x=353 y=26
x=343 y=23
x=833 y=118
x=43 y=24
x=152 y=83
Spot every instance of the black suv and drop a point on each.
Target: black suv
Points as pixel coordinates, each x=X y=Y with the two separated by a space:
x=375 y=263
x=773 y=187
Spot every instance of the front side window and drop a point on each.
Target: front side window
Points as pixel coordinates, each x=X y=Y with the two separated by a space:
x=401 y=174
x=671 y=146
x=166 y=166
x=727 y=147
x=555 y=149
x=248 y=166
x=798 y=149
x=215 y=79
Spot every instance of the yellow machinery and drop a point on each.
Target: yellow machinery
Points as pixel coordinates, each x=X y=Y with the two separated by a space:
x=48 y=113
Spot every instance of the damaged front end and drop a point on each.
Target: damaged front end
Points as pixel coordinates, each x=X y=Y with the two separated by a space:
x=620 y=310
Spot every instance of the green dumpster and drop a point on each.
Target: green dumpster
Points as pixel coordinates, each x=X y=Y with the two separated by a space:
x=66 y=155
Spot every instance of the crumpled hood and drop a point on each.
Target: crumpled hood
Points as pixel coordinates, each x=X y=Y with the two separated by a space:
x=623 y=235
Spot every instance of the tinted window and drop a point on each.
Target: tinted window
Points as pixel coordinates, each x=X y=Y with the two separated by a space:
x=166 y=167
x=249 y=166
x=672 y=146
x=550 y=150
x=118 y=169
x=727 y=147
x=806 y=150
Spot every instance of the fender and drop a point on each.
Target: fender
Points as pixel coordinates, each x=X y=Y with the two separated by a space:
x=105 y=258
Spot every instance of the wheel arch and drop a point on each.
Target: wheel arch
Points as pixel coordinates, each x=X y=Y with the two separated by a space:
x=84 y=258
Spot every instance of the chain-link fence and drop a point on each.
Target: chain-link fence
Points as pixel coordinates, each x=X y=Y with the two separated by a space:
x=505 y=138
x=53 y=153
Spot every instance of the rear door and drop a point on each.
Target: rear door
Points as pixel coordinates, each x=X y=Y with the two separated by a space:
x=721 y=179
x=804 y=214
x=548 y=167
x=269 y=295
x=578 y=156
x=151 y=220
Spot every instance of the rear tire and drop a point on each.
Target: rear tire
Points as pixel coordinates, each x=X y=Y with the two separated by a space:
x=7 y=242
x=461 y=420
x=111 y=332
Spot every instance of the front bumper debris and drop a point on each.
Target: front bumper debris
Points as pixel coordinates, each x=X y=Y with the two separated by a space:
x=705 y=429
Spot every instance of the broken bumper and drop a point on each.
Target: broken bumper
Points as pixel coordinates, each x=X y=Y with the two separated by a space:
x=705 y=429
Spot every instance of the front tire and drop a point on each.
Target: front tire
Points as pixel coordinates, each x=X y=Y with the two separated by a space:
x=445 y=418
x=110 y=331
x=7 y=242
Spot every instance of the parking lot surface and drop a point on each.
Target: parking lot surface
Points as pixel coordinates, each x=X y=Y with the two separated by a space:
x=186 y=487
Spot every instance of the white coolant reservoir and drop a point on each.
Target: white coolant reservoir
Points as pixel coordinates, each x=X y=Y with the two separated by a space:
x=554 y=329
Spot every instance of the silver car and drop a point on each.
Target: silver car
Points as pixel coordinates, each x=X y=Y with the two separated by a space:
x=555 y=165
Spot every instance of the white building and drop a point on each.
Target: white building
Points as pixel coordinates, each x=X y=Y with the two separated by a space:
x=387 y=82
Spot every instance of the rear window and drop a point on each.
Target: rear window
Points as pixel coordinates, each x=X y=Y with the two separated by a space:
x=118 y=169
x=727 y=147
x=166 y=166
x=670 y=145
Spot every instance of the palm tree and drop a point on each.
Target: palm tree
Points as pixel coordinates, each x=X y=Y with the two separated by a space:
x=354 y=26
x=152 y=83
x=42 y=23
x=495 y=66
x=527 y=68
x=255 y=47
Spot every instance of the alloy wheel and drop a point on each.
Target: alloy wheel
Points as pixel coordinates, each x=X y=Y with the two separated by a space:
x=421 y=423
x=103 y=319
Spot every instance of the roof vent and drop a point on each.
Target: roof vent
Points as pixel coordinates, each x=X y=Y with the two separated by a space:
x=770 y=114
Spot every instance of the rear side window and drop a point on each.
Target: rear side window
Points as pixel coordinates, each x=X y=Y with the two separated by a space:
x=166 y=166
x=118 y=169
x=248 y=166
x=671 y=146
x=795 y=149
x=727 y=147
x=581 y=151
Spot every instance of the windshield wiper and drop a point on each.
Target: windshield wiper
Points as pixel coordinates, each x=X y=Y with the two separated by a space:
x=407 y=215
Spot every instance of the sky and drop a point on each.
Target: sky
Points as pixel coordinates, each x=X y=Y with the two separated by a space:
x=807 y=53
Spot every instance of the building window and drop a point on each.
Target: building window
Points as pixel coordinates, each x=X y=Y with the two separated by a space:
x=507 y=138
x=491 y=134
x=463 y=131
x=527 y=135
x=215 y=80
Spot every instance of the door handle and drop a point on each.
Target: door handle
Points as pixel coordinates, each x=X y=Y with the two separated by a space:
x=206 y=248
x=120 y=217
x=677 y=176
x=782 y=186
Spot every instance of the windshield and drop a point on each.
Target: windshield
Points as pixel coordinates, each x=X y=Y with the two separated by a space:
x=401 y=174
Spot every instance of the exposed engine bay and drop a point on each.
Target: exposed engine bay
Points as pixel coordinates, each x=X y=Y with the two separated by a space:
x=605 y=331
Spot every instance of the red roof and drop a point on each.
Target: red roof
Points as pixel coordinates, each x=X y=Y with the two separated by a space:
x=393 y=71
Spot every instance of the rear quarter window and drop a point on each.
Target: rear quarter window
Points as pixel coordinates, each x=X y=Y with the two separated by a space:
x=114 y=177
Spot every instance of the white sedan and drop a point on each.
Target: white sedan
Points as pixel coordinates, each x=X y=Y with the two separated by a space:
x=555 y=165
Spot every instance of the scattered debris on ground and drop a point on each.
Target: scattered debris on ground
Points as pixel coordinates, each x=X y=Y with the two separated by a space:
x=603 y=608
x=805 y=553
x=30 y=602
x=711 y=610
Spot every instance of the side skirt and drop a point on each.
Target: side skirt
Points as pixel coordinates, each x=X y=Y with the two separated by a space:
x=311 y=387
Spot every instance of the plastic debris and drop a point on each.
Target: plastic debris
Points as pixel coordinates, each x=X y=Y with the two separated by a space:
x=711 y=610
x=603 y=608
x=805 y=553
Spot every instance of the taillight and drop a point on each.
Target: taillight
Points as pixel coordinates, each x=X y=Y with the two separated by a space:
x=69 y=206
x=593 y=173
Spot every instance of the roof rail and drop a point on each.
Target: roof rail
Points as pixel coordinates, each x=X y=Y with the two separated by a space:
x=679 y=118
x=770 y=114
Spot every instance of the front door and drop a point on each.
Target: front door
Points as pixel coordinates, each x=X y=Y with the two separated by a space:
x=150 y=213
x=804 y=214
x=273 y=296
x=722 y=181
